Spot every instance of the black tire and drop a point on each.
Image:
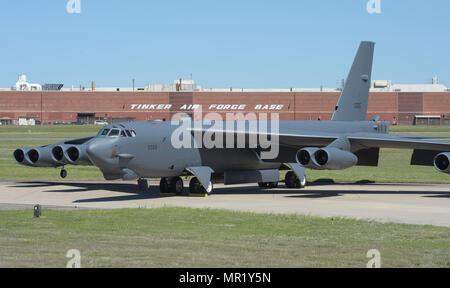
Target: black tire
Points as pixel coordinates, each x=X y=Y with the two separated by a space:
x=177 y=185
x=63 y=173
x=164 y=186
x=195 y=187
x=293 y=182
x=143 y=185
x=289 y=180
x=205 y=191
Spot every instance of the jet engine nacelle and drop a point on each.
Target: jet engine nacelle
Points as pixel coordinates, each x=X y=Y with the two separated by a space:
x=442 y=162
x=329 y=158
x=41 y=157
x=305 y=157
x=71 y=154
x=58 y=154
x=76 y=155
x=21 y=157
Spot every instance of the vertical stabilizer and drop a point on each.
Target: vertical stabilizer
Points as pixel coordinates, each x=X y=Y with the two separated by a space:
x=352 y=104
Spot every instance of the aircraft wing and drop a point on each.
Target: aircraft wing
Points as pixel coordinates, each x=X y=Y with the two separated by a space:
x=422 y=137
x=367 y=140
x=285 y=138
x=78 y=141
x=395 y=141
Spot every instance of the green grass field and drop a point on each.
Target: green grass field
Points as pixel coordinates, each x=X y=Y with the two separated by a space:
x=182 y=237
x=394 y=164
x=48 y=131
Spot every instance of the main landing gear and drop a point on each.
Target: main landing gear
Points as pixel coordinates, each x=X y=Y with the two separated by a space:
x=175 y=185
x=195 y=187
x=143 y=185
x=292 y=181
x=171 y=185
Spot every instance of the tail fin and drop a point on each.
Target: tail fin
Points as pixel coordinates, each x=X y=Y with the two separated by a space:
x=352 y=104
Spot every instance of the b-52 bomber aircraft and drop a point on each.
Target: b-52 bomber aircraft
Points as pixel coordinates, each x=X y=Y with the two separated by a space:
x=141 y=150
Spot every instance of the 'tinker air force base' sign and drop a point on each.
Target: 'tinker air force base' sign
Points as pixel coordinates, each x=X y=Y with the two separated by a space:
x=216 y=107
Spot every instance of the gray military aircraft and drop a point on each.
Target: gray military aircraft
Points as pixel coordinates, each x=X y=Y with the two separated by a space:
x=140 y=150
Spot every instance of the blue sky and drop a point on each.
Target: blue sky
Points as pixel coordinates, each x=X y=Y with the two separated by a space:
x=233 y=43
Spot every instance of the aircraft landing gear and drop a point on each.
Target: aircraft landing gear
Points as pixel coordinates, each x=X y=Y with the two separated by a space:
x=292 y=181
x=63 y=173
x=143 y=185
x=195 y=187
x=171 y=185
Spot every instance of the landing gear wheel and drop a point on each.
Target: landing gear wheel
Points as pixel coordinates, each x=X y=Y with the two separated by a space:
x=176 y=185
x=195 y=187
x=292 y=181
x=143 y=185
x=164 y=186
x=63 y=173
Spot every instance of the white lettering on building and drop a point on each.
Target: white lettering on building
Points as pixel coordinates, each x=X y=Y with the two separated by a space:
x=151 y=106
x=269 y=107
x=227 y=107
x=215 y=107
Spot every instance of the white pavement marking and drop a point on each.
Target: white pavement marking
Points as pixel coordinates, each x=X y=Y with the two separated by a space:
x=401 y=203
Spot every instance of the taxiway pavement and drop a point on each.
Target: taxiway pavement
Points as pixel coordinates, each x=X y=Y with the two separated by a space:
x=426 y=204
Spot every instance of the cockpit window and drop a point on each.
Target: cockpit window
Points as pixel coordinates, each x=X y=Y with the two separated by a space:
x=114 y=133
x=105 y=132
x=122 y=134
x=128 y=133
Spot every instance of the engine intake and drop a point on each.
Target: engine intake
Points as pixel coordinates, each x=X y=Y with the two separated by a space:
x=76 y=155
x=73 y=153
x=304 y=157
x=58 y=153
x=19 y=156
x=33 y=155
x=442 y=162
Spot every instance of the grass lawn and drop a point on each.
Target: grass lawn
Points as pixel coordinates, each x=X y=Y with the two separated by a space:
x=49 y=131
x=183 y=237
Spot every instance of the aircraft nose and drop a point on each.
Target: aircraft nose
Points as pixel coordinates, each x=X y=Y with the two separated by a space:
x=99 y=152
